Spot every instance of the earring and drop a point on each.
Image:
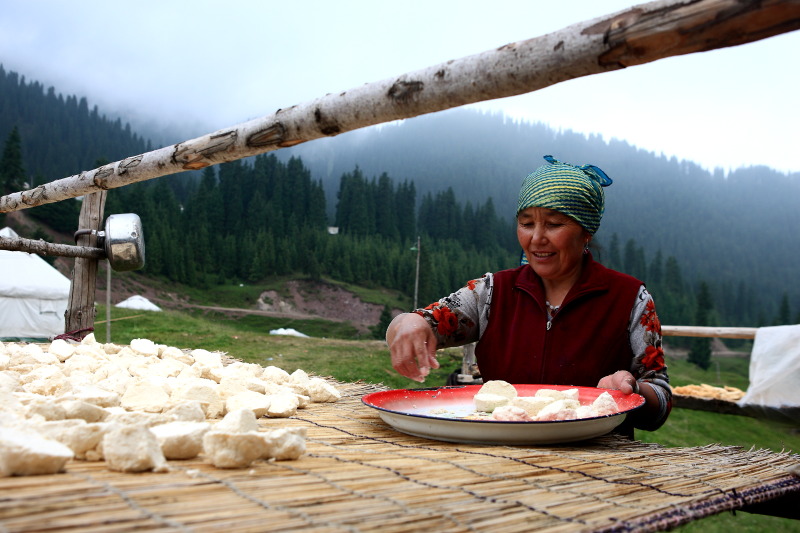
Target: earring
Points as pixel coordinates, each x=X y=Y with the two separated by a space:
x=586 y=247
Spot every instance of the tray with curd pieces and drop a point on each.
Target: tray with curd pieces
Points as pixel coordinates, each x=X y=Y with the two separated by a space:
x=501 y=413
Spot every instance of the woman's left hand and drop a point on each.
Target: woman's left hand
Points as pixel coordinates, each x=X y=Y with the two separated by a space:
x=621 y=380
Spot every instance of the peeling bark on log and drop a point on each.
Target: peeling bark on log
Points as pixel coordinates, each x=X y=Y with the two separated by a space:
x=642 y=34
x=81 y=312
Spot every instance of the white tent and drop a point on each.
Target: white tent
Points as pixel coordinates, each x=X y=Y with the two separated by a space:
x=287 y=331
x=33 y=295
x=775 y=371
x=138 y=302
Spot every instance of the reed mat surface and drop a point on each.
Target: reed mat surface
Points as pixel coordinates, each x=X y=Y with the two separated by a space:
x=358 y=474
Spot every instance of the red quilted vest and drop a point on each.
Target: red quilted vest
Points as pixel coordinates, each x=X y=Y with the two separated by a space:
x=586 y=340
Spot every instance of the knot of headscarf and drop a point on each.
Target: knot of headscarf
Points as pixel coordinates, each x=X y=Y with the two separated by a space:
x=574 y=191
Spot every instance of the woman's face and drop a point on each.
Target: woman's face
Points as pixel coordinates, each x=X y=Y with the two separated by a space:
x=553 y=243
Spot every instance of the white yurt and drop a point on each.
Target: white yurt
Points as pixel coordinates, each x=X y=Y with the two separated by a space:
x=138 y=302
x=33 y=295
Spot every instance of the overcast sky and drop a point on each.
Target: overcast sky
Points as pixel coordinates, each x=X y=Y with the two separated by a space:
x=212 y=64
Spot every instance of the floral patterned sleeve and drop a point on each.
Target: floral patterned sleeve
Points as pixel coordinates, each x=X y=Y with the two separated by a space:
x=462 y=317
x=648 y=361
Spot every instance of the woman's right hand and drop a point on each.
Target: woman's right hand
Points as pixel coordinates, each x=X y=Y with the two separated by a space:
x=412 y=345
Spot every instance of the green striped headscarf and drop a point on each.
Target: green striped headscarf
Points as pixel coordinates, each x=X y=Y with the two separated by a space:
x=575 y=191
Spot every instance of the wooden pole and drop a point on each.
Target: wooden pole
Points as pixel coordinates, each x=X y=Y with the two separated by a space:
x=641 y=34
x=108 y=301
x=81 y=311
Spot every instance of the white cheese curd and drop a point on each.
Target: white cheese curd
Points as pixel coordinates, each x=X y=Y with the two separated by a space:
x=239 y=421
x=25 y=453
x=206 y=358
x=202 y=390
x=487 y=402
x=559 y=410
x=79 y=436
x=320 y=390
x=144 y=347
x=187 y=411
x=284 y=444
x=531 y=404
x=181 y=440
x=605 y=405
x=570 y=394
x=233 y=450
x=148 y=395
x=247 y=399
x=78 y=409
x=549 y=393
x=275 y=375
x=509 y=413
x=283 y=405
x=499 y=387
x=133 y=449
x=61 y=349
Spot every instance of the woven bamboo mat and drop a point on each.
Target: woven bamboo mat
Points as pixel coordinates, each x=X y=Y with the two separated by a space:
x=360 y=475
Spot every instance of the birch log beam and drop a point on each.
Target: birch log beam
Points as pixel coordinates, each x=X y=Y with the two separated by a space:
x=707 y=331
x=641 y=34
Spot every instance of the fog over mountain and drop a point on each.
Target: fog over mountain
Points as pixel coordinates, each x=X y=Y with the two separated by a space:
x=721 y=227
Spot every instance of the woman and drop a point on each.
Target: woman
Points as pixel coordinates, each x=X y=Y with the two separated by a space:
x=559 y=319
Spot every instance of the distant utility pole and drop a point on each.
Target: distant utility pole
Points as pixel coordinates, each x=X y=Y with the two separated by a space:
x=418 y=249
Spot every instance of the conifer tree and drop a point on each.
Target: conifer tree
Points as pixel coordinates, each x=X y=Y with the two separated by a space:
x=405 y=203
x=385 y=208
x=233 y=196
x=353 y=208
x=428 y=287
x=655 y=271
x=12 y=169
x=379 y=329
x=472 y=226
x=449 y=214
x=614 y=257
x=673 y=279
x=634 y=260
x=486 y=231
x=317 y=216
x=314 y=269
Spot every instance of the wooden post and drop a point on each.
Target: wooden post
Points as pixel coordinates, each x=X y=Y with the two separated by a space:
x=108 y=301
x=80 y=315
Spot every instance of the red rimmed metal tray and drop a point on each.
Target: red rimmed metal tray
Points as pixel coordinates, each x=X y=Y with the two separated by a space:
x=438 y=413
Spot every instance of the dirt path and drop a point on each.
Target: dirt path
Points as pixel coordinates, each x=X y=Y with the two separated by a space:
x=301 y=299
x=236 y=310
